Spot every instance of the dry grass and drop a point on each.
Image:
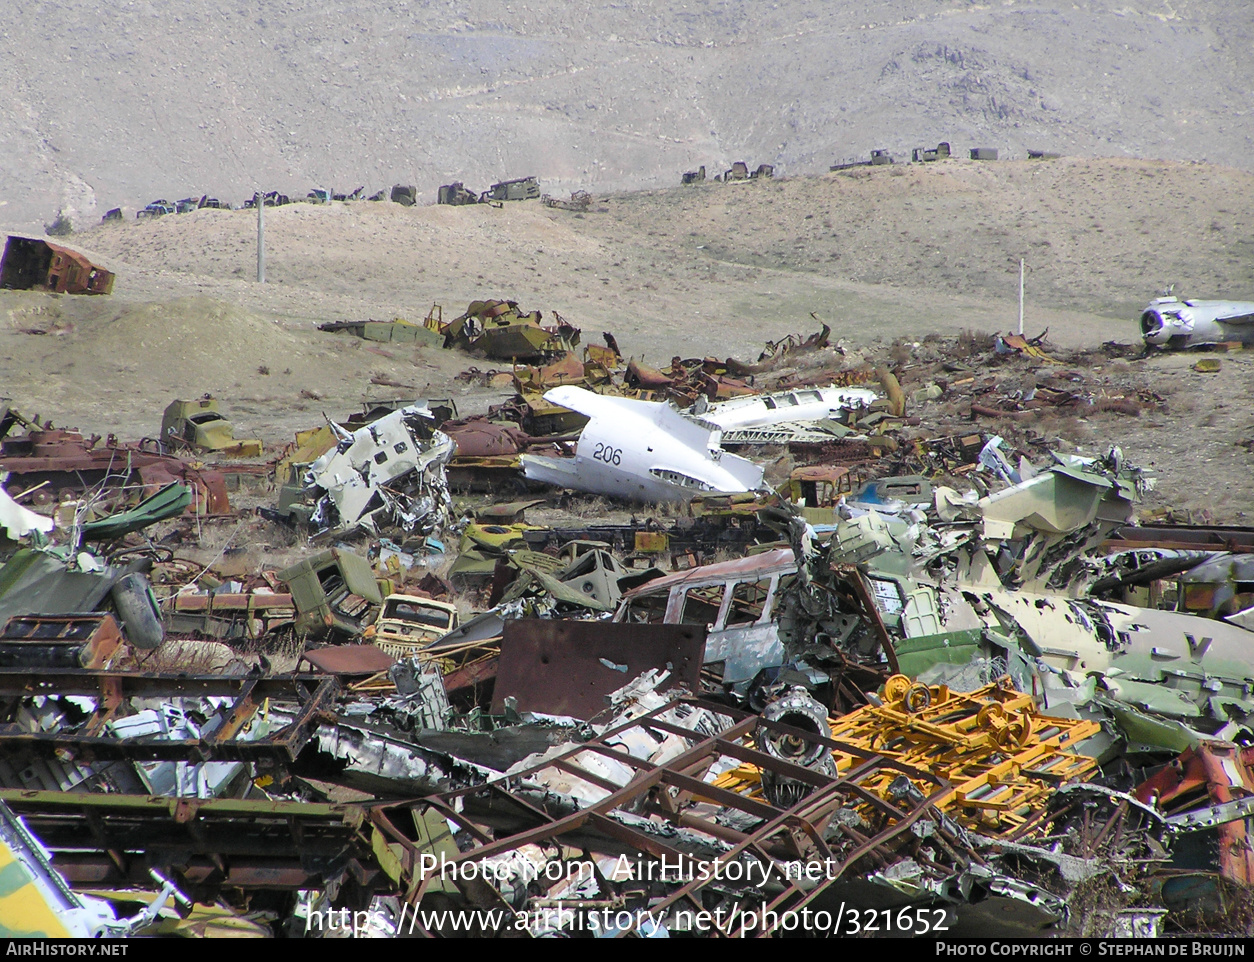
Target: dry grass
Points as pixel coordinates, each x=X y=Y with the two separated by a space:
x=1064 y=426
x=971 y=342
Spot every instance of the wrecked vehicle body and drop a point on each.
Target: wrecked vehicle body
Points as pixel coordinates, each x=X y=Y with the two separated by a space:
x=55 y=463
x=736 y=599
x=641 y=451
x=500 y=329
x=987 y=593
x=33 y=264
x=390 y=472
x=334 y=591
x=200 y=425
x=408 y=623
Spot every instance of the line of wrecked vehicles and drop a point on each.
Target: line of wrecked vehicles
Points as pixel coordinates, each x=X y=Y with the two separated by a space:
x=1008 y=705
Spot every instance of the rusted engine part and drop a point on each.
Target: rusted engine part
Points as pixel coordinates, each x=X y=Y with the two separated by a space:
x=599 y=366
x=684 y=382
x=33 y=264
x=594 y=803
x=1002 y=758
x=487 y=452
x=478 y=437
x=62 y=464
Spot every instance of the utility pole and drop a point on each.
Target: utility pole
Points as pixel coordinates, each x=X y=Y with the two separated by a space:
x=261 y=243
x=1020 y=296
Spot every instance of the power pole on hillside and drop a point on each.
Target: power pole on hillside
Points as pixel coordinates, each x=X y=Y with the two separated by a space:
x=261 y=237
x=1020 y=296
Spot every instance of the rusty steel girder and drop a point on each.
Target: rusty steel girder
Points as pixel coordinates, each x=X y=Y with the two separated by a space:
x=315 y=693
x=204 y=845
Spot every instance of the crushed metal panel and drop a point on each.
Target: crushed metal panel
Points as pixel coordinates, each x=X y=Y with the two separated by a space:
x=569 y=667
x=350 y=660
x=364 y=476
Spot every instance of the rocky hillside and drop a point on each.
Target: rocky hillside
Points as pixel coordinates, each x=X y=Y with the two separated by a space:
x=107 y=104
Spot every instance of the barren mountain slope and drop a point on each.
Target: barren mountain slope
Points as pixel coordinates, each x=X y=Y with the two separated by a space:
x=117 y=103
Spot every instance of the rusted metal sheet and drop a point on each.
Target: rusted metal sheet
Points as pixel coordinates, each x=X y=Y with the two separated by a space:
x=567 y=369
x=232 y=602
x=350 y=659
x=568 y=667
x=33 y=264
x=478 y=437
x=640 y=375
x=1182 y=537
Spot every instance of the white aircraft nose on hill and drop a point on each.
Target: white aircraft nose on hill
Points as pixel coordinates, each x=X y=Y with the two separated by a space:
x=1171 y=322
x=641 y=451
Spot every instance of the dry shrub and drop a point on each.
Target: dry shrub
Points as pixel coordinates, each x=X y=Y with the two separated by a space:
x=1064 y=426
x=1228 y=910
x=972 y=342
x=1093 y=903
x=1119 y=406
x=585 y=509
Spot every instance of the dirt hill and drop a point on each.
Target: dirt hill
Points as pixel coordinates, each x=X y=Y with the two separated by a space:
x=879 y=254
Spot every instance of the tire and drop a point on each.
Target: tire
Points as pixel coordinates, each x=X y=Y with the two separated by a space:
x=137 y=609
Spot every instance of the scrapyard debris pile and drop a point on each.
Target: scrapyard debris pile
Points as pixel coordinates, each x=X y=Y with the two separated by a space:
x=925 y=666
